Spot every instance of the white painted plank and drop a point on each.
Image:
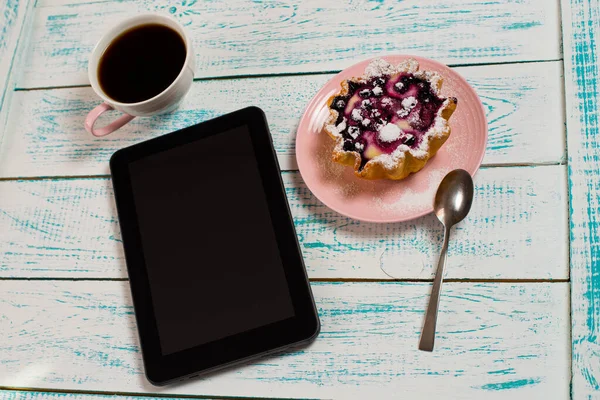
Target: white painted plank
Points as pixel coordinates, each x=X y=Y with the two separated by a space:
x=45 y=135
x=581 y=28
x=12 y=20
x=524 y=106
x=517 y=228
x=244 y=37
x=494 y=341
x=29 y=395
x=12 y=15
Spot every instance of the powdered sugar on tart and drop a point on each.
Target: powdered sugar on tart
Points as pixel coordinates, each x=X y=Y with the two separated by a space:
x=390 y=121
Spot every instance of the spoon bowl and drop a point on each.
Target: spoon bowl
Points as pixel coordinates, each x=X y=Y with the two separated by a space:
x=454 y=197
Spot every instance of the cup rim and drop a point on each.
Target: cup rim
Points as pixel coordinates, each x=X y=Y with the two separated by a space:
x=114 y=32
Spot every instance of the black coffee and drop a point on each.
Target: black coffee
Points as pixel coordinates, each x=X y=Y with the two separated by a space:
x=141 y=63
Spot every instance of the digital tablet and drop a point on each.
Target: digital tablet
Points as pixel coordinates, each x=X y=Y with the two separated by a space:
x=215 y=269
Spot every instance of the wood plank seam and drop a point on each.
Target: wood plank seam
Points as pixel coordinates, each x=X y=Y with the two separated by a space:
x=406 y=280
x=293 y=74
x=283 y=169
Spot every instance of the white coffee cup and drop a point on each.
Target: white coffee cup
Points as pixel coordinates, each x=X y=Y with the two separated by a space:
x=163 y=102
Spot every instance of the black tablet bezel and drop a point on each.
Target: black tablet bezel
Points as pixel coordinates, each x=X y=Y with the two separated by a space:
x=303 y=327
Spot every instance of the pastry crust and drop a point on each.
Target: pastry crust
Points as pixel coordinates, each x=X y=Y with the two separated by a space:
x=404 y=159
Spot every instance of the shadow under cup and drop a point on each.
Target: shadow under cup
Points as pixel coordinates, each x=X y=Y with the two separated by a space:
x=144 y=66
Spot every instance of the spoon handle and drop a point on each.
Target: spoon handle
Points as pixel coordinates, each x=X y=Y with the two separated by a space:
x=428 y=333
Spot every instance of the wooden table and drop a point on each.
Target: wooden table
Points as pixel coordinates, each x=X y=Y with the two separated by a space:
x=520 y=312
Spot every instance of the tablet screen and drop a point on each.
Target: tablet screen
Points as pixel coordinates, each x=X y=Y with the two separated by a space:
x=211 y=254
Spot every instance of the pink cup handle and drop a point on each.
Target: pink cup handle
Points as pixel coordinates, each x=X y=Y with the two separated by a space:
x=91 y=118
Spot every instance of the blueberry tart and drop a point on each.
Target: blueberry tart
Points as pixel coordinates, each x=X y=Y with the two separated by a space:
x=390 y=121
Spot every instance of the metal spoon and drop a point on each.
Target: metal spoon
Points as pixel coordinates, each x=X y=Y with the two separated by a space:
x=452 y=204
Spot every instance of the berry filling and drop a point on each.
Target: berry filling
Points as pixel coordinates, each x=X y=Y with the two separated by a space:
x=384 y=112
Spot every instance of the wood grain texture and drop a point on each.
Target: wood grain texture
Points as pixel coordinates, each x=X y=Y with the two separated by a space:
x=12 y=20
x=494 y=340
x=517 y=228
x=45 y=134
x=244 y=37
x=31 y=395
x=582 y=92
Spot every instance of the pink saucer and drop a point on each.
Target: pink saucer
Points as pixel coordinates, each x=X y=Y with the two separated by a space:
x=385 y=200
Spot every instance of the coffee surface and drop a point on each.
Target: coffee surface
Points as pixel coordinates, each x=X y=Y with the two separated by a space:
x=141 y=63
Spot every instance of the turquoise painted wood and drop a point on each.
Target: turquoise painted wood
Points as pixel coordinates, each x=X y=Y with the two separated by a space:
x=11 y=13
x=494 y=340
x=582 y=83
x=12 y=22
x=45 y=131
x=497 y=339
x=30 y=395
x=63 y=228
x=242 y=37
